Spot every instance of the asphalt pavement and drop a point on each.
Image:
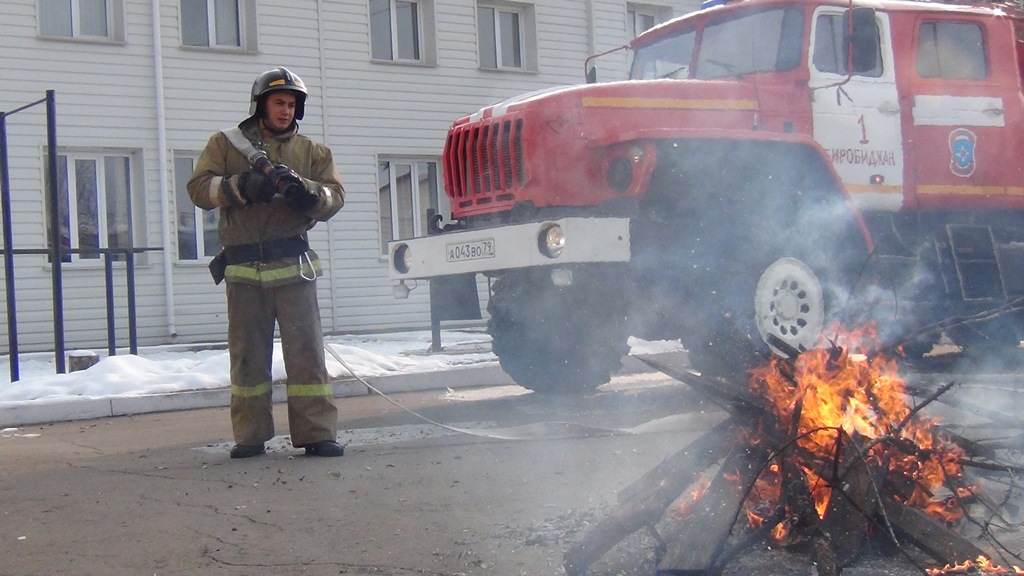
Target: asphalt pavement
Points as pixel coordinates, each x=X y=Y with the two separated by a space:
x=140 y=486
x=154 y=492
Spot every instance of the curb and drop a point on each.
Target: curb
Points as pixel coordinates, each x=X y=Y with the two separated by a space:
x=66 y=410
x=14 y=414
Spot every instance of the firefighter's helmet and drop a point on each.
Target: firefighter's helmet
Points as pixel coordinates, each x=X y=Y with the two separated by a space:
x=279 y=78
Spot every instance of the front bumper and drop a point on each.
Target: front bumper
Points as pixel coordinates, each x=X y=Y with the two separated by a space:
x=508 y=247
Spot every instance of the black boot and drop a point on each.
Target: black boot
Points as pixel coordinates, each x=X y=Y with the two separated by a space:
x=324 y=448
x=247 y=450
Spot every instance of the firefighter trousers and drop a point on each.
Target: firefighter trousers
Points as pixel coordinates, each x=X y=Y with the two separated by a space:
x=252 y=314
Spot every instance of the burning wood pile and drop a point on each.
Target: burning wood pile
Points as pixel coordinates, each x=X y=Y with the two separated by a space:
x=826 y=452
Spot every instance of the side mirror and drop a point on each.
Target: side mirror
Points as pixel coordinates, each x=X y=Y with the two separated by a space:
x=592 y=75
x=860 y=40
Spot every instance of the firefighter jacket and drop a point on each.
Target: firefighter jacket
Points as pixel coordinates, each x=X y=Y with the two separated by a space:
x=248 y=228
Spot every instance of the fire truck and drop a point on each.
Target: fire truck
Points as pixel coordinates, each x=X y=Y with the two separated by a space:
x=770 y=170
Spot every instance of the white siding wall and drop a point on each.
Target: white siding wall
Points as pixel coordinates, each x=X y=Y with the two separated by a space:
x=106 y=98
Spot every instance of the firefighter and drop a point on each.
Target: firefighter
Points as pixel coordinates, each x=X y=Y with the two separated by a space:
x=271 y=187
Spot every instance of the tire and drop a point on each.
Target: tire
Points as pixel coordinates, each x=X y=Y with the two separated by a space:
x=773 y=301
x=565 y=340
x=750 y=245
x=790 y=308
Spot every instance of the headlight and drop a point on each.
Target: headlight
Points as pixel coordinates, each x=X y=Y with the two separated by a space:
x=551 y=240
x=401 y=258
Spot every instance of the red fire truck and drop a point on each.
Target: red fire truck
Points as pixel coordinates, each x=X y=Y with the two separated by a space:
x=769 y=168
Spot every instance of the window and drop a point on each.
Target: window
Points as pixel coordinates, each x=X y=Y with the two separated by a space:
x=829 y=39
x=765 y=41
x=401 y=30
x=94 y=203
x=951 y=50
x=407 y=188
x=197 y=228
x=669 y=57
x=506 y=34
x=82 y=19
x=642 y=17
x=218 y=24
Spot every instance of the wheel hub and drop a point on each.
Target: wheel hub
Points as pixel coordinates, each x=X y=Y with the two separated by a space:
x=789 y=305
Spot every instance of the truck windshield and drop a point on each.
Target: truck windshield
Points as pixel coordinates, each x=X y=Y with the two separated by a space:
x=765 y=41
x=669 y=57
x=762 y=41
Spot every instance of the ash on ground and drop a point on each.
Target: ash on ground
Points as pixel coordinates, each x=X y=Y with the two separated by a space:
x=636 y=555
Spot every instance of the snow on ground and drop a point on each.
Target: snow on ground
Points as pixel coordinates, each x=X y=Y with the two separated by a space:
x=179 y=368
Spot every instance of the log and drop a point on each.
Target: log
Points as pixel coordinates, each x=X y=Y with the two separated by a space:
x=735 y=398
x=798 y=494
x=700 y=539
x=929 y=535
x=644 y=502
x=852 y=506
x=689 y=463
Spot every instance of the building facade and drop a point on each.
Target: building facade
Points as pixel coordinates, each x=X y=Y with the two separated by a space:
x=140 y=85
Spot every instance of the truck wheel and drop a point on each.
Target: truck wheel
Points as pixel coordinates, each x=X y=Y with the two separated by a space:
x=557 y=339
x=780 y=310
x=780 y=306
x=789 y=306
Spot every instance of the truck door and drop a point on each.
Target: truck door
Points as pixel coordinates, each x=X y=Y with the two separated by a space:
x=964 y=104
x=856 y=112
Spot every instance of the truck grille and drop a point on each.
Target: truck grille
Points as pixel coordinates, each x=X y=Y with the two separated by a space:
x=484 y=161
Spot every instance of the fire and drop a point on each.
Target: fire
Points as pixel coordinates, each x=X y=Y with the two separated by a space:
x=696 y=491
x=837 y=388
x=981 y=565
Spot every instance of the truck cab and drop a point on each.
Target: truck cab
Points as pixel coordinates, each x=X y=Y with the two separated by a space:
x=771 y=169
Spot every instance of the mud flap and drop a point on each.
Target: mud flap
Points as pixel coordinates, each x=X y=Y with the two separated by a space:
x=454 y=298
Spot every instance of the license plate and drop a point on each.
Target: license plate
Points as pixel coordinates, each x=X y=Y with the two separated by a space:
x=464 y=251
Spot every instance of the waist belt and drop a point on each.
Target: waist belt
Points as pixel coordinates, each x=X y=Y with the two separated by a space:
x=265 y=251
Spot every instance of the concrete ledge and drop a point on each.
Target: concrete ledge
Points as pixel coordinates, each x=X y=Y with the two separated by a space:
x=477 y=375
x=71 y=409
x=23 y=413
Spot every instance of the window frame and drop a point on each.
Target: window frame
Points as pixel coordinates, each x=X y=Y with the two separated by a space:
x=425 y=39
x=247 y=34
x=754 y=61
x=647 y=62
x=831 y=37
x=69 y=213
x=114 y=23
x=943 y=71
x=203 y=227
x=660 y=15
x=418 y=213
x=526 y=14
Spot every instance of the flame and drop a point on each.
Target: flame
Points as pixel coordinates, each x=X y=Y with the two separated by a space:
x=697 y=489
x=836 y=388
x=980 y=565
x=780 y=532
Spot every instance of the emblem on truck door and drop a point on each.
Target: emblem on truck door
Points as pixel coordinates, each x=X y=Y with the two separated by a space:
x=961 y=148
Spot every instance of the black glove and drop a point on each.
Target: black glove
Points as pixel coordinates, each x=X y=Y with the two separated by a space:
x=255 y=187
x=293 y=188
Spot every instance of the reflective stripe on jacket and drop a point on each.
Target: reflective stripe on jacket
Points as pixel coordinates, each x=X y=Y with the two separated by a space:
x=276 y=272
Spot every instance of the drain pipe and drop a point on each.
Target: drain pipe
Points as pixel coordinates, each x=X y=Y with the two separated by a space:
x=591 y=28
x=161 y=137
x=325 y=127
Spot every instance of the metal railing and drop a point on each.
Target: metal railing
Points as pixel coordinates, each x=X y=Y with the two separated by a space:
x=57 y=252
